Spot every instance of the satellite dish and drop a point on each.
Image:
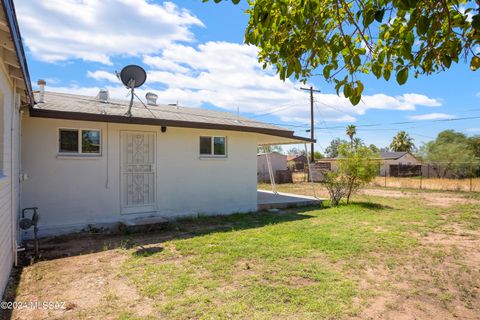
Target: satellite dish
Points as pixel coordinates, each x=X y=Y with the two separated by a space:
x=133 y=76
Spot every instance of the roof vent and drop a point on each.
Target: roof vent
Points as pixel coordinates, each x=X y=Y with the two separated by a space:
x=41 y=90
x=151 y=98
x=103 y=95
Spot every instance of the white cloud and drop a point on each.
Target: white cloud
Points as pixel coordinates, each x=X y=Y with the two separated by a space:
x=223 y=74
x=59 y=30
x=227 y=75
x=102 y=75
x=473 y=130
x=432 y=116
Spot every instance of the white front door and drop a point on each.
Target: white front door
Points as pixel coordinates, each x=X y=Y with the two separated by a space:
x=137 y=171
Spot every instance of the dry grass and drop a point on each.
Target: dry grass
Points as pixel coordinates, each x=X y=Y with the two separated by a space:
x=414 y=183
x=430 y=183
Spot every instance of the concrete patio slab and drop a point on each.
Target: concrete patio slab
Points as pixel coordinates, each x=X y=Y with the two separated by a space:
x=269 y=200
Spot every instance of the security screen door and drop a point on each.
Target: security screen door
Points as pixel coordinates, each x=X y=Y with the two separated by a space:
x=137 y=170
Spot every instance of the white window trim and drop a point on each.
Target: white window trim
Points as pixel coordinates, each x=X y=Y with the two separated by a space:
x=212 y=155
x=79 y=153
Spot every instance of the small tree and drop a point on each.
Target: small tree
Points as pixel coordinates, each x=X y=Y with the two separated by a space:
x=355 y=168
x=337 y=186
x=358 y=165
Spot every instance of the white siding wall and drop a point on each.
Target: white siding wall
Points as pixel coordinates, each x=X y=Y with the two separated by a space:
x=9 y=176
x=72 y=192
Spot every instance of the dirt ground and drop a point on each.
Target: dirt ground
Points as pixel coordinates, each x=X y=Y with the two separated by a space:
x=86 y=273
x=441 y=199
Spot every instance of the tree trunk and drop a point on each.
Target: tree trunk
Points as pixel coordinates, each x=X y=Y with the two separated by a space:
x=350 y=187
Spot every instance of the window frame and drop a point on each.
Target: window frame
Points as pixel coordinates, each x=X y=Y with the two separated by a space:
x=212 y=154
x=80 y=145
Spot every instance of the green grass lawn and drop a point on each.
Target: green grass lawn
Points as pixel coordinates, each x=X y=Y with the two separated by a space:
x=390 y=254
x=303 y=263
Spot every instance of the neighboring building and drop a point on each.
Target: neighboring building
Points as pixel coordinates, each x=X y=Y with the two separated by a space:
x=88 y=163
x=392 y=163
x=396 y=164
x=297 y=162
x=15 y=93
x=277 y=160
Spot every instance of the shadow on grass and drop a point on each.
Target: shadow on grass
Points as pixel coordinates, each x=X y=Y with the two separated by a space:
x=371 y=205
x=91 y=242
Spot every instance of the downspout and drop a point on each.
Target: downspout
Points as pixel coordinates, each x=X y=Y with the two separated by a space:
x=12 y=188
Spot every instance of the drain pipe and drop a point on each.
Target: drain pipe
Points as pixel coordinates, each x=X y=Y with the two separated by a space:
x=12 y=188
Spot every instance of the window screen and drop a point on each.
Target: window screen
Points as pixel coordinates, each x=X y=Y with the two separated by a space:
x=68 y=141
x=206 y=145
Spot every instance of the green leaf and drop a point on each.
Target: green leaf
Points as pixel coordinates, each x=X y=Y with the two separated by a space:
x=447 y=61
x=402 y=76
x=475 y=63
x=422 y=25
x=354 y=99
x=476 y=22
x=377 y=71
x=386 y=74
x=379 y=15
x=368 y=16
x=326 y=71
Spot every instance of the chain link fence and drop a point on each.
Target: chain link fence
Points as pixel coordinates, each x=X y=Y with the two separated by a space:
x=452 y=176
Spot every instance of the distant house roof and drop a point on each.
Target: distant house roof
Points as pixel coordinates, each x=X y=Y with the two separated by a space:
x=76 y=107
x=383 y=155
x=392 y=155
x=294 y=157
x=271 y=153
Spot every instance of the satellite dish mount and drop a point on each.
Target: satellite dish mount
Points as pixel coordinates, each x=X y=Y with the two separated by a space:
x=132 y=76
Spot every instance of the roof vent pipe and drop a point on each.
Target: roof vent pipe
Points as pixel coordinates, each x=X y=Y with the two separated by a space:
x=41 y=93
x=103 y=95
x=151 y=98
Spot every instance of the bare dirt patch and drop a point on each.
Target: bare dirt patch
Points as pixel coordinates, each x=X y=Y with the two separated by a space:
x=442 y=281
x=431 y=198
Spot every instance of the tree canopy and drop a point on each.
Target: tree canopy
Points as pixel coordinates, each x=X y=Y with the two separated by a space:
x=402 y=142
x=451 y=153
x=342 y=39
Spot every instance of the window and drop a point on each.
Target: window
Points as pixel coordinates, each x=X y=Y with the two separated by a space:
x=213 y=146
x=75 y=141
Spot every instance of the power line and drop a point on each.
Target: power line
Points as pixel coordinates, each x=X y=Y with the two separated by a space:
x=403 y=122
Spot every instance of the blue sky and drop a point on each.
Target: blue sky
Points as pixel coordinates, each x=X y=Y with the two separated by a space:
x=194 y=54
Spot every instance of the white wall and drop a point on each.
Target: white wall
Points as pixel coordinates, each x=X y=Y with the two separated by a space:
x=74 y=191
x=9 y=185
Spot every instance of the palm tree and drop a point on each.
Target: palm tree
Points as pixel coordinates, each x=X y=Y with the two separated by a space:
x=351 y=131
x=402 y=142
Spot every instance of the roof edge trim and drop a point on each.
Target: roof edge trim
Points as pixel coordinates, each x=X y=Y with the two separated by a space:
x=82 y=116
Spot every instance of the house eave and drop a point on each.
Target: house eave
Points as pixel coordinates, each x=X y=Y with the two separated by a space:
x=11 y=18
x=82 y=116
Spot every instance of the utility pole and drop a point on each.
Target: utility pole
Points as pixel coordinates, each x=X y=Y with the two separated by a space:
x=312 y=124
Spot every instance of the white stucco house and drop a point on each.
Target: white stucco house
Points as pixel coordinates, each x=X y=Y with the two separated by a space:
x=82 y=161
x=85 y=162
x=15 y=95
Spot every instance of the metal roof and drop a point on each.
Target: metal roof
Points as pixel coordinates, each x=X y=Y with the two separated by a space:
x=77 y=107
